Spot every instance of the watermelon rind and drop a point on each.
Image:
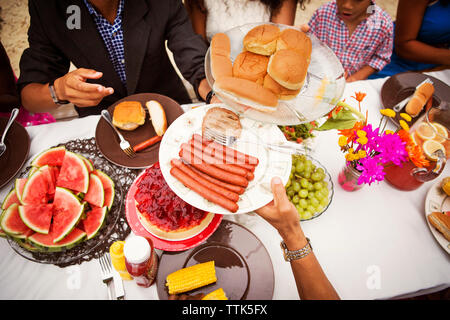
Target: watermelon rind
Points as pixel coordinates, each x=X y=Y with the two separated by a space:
x=30 y=224
x=45 y=241
x=31 y=189
x=37 y=161
x=87 y=162
x=32 y=170
x=99 y=223
x=27 y=245
x=95 y=194
x=19 y=185
x=108 y=186
x=8 y=213
x=2 y=233
x=10 y=199
x=65 y=182
x=77 y=214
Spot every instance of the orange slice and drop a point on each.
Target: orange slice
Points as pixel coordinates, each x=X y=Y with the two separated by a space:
x=442 y=133
x=425 y=131
x=430 y=146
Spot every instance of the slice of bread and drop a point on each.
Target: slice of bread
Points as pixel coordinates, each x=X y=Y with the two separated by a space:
x=157 y=116
x=222 y=121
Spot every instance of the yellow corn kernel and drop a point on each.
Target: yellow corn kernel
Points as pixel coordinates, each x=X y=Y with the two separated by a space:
x=191 y=278
x=218 y=294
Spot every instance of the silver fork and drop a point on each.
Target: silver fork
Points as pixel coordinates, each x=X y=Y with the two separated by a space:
x=13 y=116
x=228 y=140
x=107 y=272
x=124 y=144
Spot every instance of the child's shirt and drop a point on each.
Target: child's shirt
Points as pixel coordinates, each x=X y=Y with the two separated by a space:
x=370 y=44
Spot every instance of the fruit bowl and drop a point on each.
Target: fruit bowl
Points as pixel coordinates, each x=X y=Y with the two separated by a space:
x=310 y=190
x=79 y=249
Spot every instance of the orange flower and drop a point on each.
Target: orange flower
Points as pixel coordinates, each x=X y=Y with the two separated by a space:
x=335 y=111
x=351 y=133
x=414 y=151
x=359 y=96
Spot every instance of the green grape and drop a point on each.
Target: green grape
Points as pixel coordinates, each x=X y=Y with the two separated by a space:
x=320 y=171
x=320 y=208
x=302 y=203
x=304 y=183
x=307 y=215
x=316 y=176
x=299 y=209
x=318 y=186
x=314 y=202
x=299 y=167
x=296 y=186
x=325 y=192
x=295 y=199
x=307 y=174
x=325 y=184
x=324 y=202
x=311 y=208
x=310 y=186
x=303 y=193
x=291 y=176
x=290 y=192
x=319 y=195
x=288 y=184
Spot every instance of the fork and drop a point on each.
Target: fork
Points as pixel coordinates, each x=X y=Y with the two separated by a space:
x=124 y=144
x=13 y=116
x=107 y=272
x=225 y=140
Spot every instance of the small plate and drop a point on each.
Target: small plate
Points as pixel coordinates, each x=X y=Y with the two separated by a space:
x=402 y=85
x=324 y=83
x=243 y=266
x=437 y=200
x=271 y=163
x=108 y=141
x=17 y=143
x=163 y=244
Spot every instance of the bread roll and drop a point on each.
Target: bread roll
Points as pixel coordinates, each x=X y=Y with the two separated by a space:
x=128 y=115
x=281 y=92
x=250 y=66
x=223 y=121
x=248 y=90
x=295 y=40
x=419 y=99
x=158 y=116
x=288 y=68
x=262 y=39
x=441 y=222
x=221 y=65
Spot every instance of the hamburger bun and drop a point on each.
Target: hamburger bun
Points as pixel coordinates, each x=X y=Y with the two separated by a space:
x=246 y=89
x=441 y=222
x=262 y=39
x=288 y=68
x=223 y=121
x=221 y=65
x=157 y=116
x=250 y=66
x=281 y=92
x=295 y=40
x=128 y=115
x=419 y=99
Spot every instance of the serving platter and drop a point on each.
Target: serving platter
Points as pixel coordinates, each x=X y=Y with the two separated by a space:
x=271 y=163
x=324 y=84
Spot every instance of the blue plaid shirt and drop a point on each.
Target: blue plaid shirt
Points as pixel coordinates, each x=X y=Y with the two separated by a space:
x=112 y=35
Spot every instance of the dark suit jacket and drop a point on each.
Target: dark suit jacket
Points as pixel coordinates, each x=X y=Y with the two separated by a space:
x=146 y=24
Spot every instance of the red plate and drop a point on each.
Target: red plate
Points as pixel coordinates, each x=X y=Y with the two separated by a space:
x=166 y=245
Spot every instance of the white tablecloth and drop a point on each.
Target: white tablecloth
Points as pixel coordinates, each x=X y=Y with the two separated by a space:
x=372 y=244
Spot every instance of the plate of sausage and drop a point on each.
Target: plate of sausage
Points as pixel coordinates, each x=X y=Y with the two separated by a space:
x=221 y=179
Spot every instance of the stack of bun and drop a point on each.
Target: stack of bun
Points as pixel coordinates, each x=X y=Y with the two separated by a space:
x=272 y=66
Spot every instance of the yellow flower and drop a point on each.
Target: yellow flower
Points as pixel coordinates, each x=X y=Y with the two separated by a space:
x=362 y=154
x=342 y=141
x=404 y=125
x=388 y=112
x=351 y=151
x=389 y=132
x=361 y=133
x=362 y=140
x=405 y=116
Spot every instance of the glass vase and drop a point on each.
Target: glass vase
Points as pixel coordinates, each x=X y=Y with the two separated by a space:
x=348 y=178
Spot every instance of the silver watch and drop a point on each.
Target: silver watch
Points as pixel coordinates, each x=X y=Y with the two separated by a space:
x=296 y=254
x=55 y=99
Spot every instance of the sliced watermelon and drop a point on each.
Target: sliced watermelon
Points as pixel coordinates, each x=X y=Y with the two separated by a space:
x=87 y=162
x=10 y=199
x=32 y=170
x=37 y=217
x=12 y=224
x=108 y=186
x=26 y=245
x=95 y=194
x=51 y=157
x=67 y=211
x=50 y=178
x=18 y=187
x=94 y=221
x=37 y=187
x=47 y=240
x=74 y=174
x=2 y=233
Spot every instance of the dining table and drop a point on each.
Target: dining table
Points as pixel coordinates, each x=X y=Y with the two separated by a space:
x=373 y=243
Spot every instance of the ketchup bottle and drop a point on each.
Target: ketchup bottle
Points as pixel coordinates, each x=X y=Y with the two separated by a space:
x=141 y=260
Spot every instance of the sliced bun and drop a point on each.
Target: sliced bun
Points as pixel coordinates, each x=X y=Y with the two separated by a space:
x=262 y=39
x=295 y=40
x=250 y=66
x=223 y=121
x=248 y=90
x=441 y=222
x=419 y=99
x=281 y=92
x=158 y=116
x=221 y=65
x=288 y=68
x=128 y=115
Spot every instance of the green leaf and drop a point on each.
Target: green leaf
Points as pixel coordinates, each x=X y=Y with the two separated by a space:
x=337 y=124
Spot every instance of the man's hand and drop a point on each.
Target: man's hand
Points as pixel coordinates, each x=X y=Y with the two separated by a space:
x=74 y=88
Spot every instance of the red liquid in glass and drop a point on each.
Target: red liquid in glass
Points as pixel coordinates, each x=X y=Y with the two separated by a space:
x=401 y=177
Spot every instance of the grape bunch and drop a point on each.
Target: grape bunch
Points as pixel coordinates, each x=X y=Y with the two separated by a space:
x=306 y=187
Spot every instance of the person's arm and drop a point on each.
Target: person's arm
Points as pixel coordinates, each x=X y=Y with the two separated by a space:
x=361 y=74
x=408 y=22
x=311 y=281
x=9 y=97
x=197 y=16
x=285 y=14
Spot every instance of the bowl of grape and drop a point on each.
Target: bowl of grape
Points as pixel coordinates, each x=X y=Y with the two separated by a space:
x=310 y=187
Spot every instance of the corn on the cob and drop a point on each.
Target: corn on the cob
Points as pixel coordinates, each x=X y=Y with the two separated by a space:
x=218 y=294
x=191 y=278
